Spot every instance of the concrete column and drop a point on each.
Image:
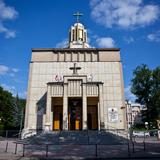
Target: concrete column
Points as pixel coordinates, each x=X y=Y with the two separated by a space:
x=101 y=106
x=65 y=108
x=48 y=110
x=84 y=102
x=98 y=116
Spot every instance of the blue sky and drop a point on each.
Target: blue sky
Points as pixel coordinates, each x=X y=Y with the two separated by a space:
x=131 y=25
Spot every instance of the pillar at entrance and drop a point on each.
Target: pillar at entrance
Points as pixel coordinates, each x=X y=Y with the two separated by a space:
x=101 y=106
x=84 y=102
x=48 y=111
x=65 y=108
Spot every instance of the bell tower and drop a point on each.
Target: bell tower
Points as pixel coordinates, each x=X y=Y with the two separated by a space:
x=78 y=34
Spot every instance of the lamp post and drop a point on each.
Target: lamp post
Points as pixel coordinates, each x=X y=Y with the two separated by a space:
x=129 y=118
x=21 y=123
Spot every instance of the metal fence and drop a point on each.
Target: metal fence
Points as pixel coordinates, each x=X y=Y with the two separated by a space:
x=127 y=150
x=10 y=133
x=137 y=145
x=60 y=150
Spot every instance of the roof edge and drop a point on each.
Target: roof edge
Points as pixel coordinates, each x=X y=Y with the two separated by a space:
x=74 y=49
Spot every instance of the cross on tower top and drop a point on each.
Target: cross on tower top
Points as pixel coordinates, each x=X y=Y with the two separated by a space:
x=74 y=68
x=78 y=14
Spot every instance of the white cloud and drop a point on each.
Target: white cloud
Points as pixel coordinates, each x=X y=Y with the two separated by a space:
x=7 y=70
x=62 y=44
x=3 y=69
x=9 y=88
x=154 y=37
x=22 y=94
x=128 y=95
x=105 y=42
x=123 y=13
x=129 y=39
x=12 y=89
x=7 y=13
x=15 y=70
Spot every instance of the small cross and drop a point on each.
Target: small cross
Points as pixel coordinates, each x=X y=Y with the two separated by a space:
x=74 y=68
x=77 y=15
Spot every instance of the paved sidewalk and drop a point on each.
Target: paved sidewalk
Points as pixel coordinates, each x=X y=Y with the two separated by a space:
x=73 y=145
x=80 y=152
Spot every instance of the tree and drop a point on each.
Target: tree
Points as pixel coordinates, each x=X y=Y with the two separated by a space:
x=146 y=87
x=156 y=92
x=18 y=112
x=11 y=110
x=142 y=86
x=6 y=108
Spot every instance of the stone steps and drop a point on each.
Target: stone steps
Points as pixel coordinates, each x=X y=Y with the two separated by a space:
x=75 y=137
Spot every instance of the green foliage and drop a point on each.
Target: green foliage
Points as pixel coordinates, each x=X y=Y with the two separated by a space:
x=1 y=126
x=139 y=127
x=11 y=109
x=146 y=87
x=156 y=92
x=142 y=84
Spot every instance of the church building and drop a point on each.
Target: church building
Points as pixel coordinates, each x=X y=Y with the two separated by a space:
x=75 y=88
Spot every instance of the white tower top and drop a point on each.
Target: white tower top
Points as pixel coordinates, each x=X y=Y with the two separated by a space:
x=78 y=34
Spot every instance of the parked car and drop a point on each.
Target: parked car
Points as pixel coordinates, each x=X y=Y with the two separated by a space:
x=140 y=134
x=153 y=133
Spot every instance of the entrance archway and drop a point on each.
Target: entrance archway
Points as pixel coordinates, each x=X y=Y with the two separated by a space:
x=57 y=109
x=74 y=113
x=92 y=113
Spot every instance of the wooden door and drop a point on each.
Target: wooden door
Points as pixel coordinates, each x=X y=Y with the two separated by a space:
x=57 y=117
x=92 y=117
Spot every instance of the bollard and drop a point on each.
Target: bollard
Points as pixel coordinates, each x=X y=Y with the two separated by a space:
x=59 y=136
x=46 y=150
x=6 y=133
x=6 y=146
x=129 y=154
x=23 y=149
x=144 y=145
x=88 y=139
x=133 y=147
x=96 y=151
x=15 y=149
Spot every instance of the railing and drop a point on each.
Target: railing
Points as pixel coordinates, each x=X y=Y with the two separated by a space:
x=126 y=150
x=10 y=133
x=131 y=148
x=48 y=150
x=119 y=132
x=17 y=134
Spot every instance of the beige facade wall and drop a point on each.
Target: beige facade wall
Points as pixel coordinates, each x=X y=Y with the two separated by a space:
x=76 y=55
x=104 y=66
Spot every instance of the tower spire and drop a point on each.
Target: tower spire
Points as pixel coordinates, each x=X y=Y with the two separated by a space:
x=78 y=34
x=77 y=14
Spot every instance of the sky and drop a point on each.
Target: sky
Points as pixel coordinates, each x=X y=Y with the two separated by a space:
x=131 y=25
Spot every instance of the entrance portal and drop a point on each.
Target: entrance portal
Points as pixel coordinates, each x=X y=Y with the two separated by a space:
x=58 y=118
x=92 y=113
x=74 y=114
x=57 y=109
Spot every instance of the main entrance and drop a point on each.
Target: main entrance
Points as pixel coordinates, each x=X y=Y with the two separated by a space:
x=92 y=113
x=75 y=114
x=57 y=108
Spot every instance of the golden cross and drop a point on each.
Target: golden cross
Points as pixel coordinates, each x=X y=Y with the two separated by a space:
x=77 y=15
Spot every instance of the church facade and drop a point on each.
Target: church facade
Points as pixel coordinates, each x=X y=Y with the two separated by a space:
x=75 y=88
